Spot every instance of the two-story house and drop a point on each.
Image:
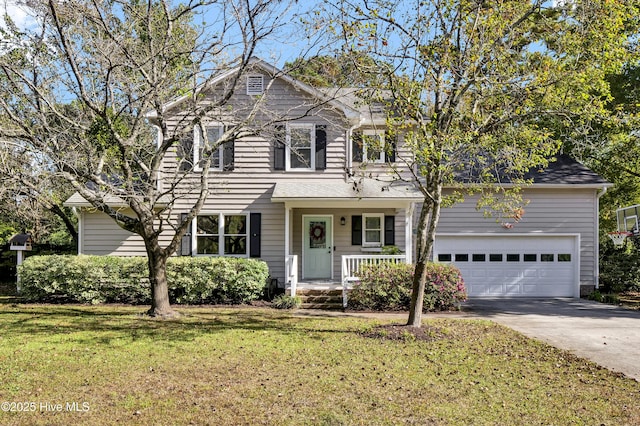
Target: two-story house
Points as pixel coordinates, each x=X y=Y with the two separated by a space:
x=294 y=198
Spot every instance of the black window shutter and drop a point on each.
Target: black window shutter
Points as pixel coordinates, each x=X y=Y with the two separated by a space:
x=321 y=147
x=185 y=152
x=255 y=220
x=356 y=145
x=389 y=230
x=356 y=230
x=228 y=153
x=185 y=243
x=279 y=150
x=391 y=146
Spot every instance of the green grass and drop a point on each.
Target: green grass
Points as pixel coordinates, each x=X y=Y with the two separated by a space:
x=263 y=366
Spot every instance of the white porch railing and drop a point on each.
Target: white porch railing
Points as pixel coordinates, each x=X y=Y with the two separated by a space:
x=351 y=265
x=291 y=272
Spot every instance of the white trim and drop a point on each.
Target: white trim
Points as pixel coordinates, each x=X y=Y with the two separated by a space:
x=312 y=148
x=221 y=235
x=382 y=155
x=197 y=142
x=366 y=244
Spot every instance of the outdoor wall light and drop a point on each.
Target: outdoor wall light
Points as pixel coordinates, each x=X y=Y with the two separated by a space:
x=343 y=221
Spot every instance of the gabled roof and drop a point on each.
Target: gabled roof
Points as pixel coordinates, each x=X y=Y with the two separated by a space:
x=351 y=113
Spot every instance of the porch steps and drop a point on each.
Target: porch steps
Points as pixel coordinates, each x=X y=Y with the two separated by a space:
x=320 y=299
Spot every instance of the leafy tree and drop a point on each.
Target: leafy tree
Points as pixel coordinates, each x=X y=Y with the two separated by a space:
x=350 y=69
x=473 y=84
x=87 y=91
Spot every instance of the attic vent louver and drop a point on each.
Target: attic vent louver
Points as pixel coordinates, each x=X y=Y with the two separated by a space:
x=255 y=85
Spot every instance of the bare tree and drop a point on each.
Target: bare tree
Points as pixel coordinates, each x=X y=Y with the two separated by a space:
x=89 y=90
x=472 y=84
x=31 y=197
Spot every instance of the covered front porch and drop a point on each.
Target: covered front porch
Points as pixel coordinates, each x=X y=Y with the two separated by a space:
x=349 y=275
x=332 y=229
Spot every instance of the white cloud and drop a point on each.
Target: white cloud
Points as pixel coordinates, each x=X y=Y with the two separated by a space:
x=19 y=13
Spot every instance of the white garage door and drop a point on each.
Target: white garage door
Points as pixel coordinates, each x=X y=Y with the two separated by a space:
x=513 y=266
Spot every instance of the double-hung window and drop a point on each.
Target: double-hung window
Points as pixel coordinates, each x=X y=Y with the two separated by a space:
x=301 y=147
x=372 y=230
x=373 y=146
x=204 y=143
x=222 y=235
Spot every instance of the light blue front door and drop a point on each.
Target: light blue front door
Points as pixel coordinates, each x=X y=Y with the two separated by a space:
x=317 y=243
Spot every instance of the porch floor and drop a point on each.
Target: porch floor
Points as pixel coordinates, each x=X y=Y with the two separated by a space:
x=319 y=285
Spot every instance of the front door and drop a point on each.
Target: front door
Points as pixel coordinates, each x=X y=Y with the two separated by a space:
x=317 y=246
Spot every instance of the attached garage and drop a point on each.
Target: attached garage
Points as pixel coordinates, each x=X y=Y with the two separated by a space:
x=530 y=265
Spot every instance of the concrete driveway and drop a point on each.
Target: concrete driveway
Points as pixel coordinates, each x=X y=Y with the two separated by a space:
x=605 y=334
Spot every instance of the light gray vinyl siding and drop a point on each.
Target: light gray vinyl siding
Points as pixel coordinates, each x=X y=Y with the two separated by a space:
x=550 y=211
x=102 y=236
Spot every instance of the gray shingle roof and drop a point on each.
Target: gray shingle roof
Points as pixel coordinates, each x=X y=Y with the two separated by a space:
x=565 y=170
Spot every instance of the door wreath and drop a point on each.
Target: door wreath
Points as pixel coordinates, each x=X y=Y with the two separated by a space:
x=317 y=234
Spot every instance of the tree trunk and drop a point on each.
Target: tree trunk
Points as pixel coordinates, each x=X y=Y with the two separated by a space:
x=160 y=306
x=429 y=217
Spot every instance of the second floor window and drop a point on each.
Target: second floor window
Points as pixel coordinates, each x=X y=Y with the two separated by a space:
x=300 y=147
x=213 y=134
x=222 y=156
x=301 y=144
x=373 y=146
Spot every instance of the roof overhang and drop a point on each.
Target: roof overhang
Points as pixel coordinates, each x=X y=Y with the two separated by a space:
x=367 y=193
x=78 y=201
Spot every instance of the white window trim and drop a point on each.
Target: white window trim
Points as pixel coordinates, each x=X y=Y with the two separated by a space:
x=383 y=154
x=365 y=243
x=312 y=133
x=252 y=88
x=196 y=147
x=221 y=235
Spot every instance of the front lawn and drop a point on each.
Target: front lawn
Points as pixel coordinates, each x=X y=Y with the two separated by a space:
x=63 y=365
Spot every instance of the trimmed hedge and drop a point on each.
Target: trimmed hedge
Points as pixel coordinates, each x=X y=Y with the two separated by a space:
x=387 y=286
x=110 y=279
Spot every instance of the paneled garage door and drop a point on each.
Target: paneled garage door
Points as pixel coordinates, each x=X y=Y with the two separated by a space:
x=513 y=266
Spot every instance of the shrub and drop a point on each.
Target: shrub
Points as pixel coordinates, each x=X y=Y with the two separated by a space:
x=216 y=279
x=283 y=301
x=387 y=286
x=110 y=279
x=619 y=267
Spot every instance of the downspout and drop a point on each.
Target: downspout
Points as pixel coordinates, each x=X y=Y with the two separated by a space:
x=596 y=272
x=349 y=160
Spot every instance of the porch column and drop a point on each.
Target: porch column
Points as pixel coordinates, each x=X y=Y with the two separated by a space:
x=287 y=215
x=408 y=232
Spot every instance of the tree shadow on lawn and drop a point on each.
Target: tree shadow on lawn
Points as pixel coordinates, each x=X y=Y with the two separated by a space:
x=105 y=323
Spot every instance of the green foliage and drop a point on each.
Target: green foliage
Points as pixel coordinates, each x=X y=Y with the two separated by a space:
x=284 y=301
x=110 y=279
x=387 y=286
x=216 y=279
x=391 y=250
x=619 y=267
x=353 y=69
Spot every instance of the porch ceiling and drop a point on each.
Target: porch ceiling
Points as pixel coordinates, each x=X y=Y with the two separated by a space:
x=368 y=192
